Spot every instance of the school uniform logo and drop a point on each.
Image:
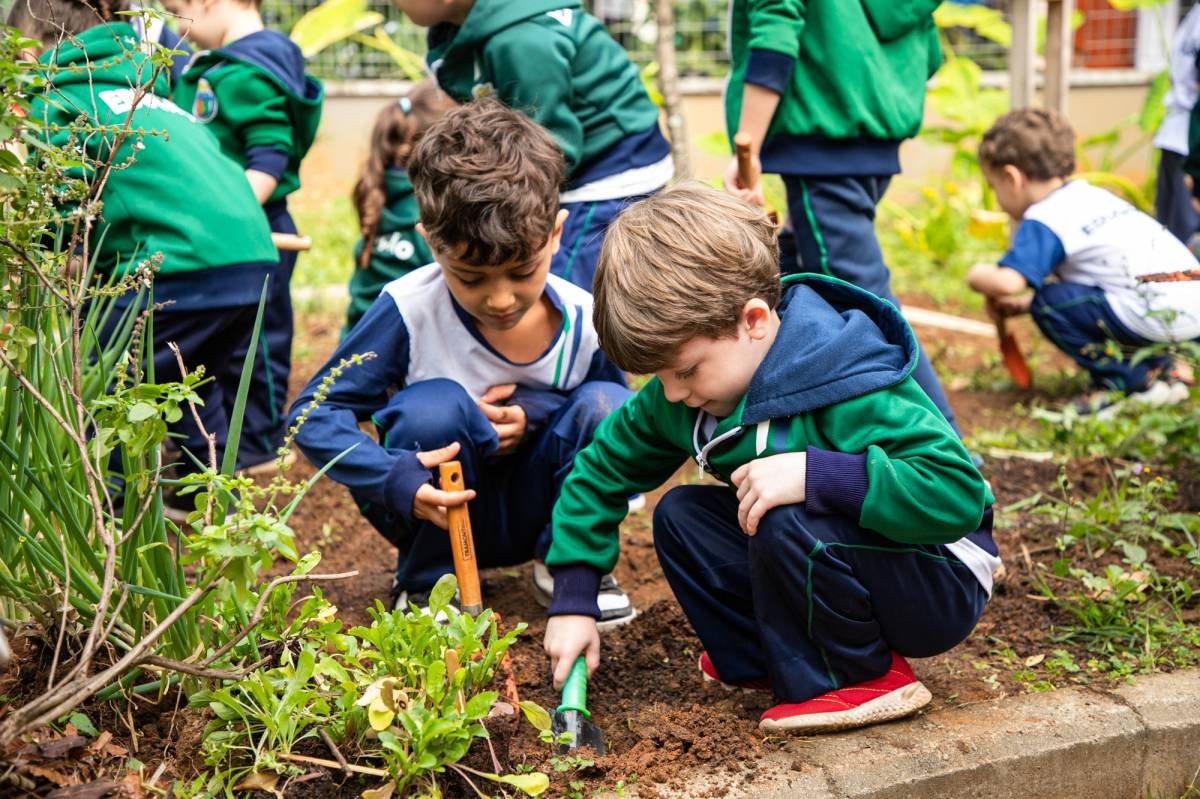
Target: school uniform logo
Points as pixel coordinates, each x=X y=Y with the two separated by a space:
x=204 y=106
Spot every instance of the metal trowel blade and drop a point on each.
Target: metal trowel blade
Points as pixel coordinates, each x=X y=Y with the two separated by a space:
x=583 y=732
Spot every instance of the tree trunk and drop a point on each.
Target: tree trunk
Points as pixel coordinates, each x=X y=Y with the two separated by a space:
x=668 y=84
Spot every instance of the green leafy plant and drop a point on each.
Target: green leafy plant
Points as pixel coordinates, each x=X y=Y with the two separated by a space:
x=1124 y=605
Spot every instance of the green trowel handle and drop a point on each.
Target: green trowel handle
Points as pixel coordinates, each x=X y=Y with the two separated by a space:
x=574 y=691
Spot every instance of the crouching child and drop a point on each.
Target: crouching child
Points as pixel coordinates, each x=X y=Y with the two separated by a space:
x=481 y=356
x=852 y=530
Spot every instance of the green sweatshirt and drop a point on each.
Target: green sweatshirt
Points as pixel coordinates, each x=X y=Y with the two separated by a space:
x=554 y=62
x=144 y=211
x=836 y=384
x=256 y=98
x=851 y=77
x=397 y=250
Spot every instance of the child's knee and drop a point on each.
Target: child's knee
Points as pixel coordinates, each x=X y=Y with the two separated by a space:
x=591 y=402
x=788 y=532
x=674 y=513
x=427 y=415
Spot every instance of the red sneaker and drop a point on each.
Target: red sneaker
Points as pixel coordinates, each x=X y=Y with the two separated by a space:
x=710 y=675
x=894 y=695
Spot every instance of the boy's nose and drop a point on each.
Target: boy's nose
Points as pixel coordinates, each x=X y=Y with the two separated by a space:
x=675 y=392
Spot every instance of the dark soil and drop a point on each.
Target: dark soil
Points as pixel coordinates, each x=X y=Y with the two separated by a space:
x=660 y=721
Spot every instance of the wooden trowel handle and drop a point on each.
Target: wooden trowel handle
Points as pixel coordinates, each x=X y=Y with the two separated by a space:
x=462 y=544
x=745 y=163
x=290 y=242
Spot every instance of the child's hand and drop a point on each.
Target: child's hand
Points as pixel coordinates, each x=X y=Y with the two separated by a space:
x=508 y=420
x=1012 y=306
x=430 y=503
x=766 y=483
x=568 y=637
x=734 y=186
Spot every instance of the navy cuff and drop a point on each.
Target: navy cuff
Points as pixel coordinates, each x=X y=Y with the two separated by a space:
x=400 y=486
x=575 y=590
x=770 y=70
x=836 y=482
x=269 y=160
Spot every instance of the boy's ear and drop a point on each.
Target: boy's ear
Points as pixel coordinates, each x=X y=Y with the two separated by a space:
x=556 y=233
x=756 y=318
x=1014 y=176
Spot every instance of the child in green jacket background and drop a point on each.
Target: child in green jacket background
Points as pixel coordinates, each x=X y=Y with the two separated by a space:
x=387 y=210
x=826 y=90
x=559 y=65
x=853 y=529
x=216 y=247
x=250 y=88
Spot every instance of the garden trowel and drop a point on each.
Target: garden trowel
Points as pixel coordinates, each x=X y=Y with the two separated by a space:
x=1014 y=361
x=572 y=715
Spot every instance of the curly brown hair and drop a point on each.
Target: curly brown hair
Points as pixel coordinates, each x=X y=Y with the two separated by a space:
x=397 y=129
x=679 y=265
x=1037 y=141
x=50 y=21
x=487 y=180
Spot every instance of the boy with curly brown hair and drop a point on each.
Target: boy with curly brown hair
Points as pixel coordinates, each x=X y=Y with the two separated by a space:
x=1101 y=279
x=483 y=356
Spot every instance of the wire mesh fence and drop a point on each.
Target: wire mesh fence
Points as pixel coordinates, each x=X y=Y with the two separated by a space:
x=1106 y=38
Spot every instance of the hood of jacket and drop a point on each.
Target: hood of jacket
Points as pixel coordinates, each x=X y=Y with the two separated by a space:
x=113 y=53
x=452 y=47
x=835 y=342
x=279 y=57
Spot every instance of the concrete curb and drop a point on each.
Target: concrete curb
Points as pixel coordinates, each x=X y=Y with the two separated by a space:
x=1134 y=741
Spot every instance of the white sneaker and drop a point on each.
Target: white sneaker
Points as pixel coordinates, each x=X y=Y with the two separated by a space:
x=615 y=607
x=1156 y=395
x=401 y=600
x=637 y=502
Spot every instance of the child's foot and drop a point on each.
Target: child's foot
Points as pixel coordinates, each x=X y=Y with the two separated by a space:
x=615 y=607
x=1105 y=405
x=894 y=695
x=709 y=671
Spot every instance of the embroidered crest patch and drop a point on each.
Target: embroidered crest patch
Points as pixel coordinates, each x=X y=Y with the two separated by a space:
x=483 y=90
x=204 y=106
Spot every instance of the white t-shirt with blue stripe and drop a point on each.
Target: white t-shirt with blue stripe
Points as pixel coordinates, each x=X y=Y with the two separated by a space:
x=437 y=350
x=1084 y=234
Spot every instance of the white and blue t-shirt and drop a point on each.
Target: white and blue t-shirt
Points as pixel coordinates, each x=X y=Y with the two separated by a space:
x=1083 y=234
x=444 y=341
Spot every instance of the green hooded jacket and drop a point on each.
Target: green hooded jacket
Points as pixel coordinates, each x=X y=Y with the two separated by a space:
x=851 y=77
x=257 y=99
x=836 y=384
x=554 y=62
x=144 y=212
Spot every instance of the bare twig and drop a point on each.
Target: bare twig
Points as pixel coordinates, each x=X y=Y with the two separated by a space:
x=333 y=749
x=320 y=761
x=210 y=438
x=183 y=667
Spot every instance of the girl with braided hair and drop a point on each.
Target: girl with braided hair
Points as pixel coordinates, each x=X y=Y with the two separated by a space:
x=383 y=198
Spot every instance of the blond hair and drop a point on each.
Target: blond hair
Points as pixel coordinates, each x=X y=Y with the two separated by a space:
x=680 y=265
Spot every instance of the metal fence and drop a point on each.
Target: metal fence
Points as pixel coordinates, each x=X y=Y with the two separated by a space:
x=1106 y=39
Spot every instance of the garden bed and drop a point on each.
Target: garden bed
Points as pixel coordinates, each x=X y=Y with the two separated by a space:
x=662 y=724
